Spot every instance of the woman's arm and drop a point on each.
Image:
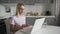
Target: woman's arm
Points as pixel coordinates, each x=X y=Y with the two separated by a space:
x=14 y=28
x=25 y=25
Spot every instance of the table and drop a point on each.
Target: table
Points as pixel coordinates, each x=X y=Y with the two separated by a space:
x=45 y=30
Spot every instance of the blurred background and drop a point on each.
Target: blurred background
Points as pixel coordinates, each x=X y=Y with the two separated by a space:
x=34 y=9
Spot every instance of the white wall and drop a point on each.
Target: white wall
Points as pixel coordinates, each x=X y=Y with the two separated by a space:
x=3 y=12
x=37 y=7
x=58 y=12
x=40 y=8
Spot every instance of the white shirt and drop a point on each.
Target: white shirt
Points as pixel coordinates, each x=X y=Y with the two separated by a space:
x=18 y=21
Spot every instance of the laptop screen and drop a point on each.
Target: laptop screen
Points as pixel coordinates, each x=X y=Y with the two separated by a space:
x=38 y=24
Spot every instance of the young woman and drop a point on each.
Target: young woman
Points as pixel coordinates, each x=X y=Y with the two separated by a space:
x=19 y=20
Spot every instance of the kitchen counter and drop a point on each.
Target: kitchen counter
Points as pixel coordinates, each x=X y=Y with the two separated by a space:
x=45 y=30
x=42 y=16
x=8 y=21
x=3 y=17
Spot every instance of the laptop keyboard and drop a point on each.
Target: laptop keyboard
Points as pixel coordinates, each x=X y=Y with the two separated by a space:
x=27 y=30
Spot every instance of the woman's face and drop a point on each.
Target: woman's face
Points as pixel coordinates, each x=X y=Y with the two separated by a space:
x=21 y=9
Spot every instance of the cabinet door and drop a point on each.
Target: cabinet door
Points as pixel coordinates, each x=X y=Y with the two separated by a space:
x=2 y=28
x=43 y=1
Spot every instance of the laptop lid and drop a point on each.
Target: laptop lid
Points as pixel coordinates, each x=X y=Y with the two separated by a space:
x=38 y=24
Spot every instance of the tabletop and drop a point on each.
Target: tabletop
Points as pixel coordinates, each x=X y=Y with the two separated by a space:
x=45 y=30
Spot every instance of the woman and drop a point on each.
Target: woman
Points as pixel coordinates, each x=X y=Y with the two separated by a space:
x=18 y=21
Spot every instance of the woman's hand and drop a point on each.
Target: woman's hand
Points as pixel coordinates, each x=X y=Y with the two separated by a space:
x=25 y=25
x=14 y=28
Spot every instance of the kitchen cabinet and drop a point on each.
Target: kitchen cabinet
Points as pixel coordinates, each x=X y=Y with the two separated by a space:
x=50 y=20
x=2 y=27
x=27 y=1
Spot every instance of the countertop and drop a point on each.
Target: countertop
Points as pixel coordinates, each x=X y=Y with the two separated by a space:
x=45 y=30
x=2 y=17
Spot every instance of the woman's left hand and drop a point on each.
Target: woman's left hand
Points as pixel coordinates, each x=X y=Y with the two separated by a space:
x=25 y=25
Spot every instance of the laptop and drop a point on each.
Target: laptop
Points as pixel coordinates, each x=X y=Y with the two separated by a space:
x=37 y=26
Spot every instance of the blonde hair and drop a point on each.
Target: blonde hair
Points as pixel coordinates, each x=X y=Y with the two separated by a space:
x=18 y=7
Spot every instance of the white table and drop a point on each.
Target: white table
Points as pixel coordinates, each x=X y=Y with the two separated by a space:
x=46 y=30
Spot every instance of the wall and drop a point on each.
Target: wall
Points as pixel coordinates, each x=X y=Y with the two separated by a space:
x=40 y=7
x=3 y=13
x=2 y=10
x=28 y=8
x=58 y=12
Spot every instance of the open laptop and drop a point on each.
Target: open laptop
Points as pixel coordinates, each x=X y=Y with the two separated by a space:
x=37 y=26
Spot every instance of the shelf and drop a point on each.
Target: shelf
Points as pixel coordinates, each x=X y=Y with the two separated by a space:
x=3 y=17
x=30 y=16
x=40 y=16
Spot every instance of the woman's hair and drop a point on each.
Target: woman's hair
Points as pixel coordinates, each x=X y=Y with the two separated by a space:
x=18 y=7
